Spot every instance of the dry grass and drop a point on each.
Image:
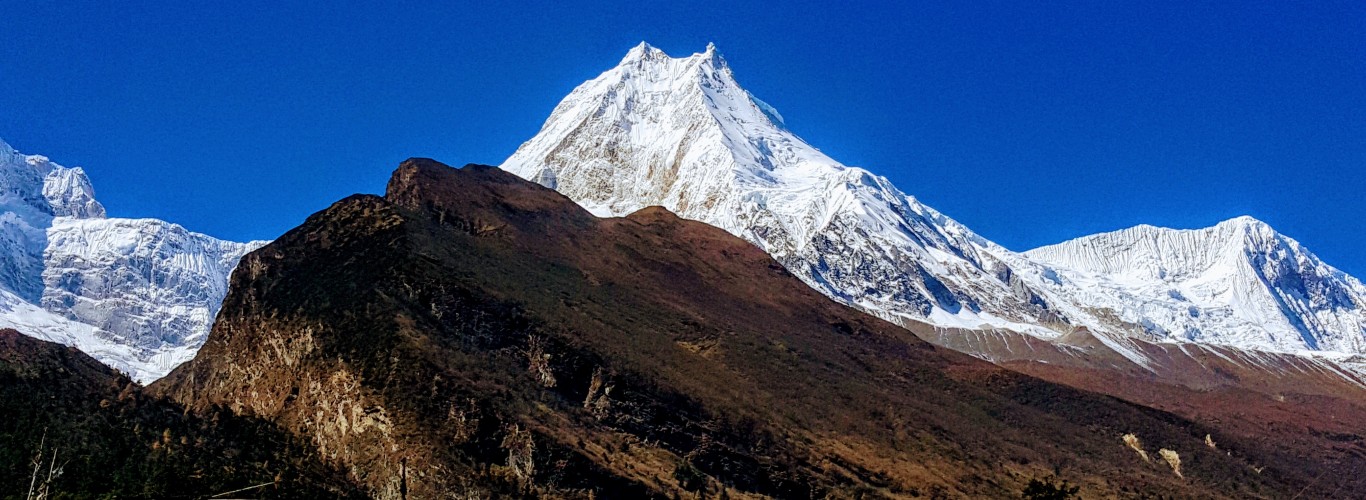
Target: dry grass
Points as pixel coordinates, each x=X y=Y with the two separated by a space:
x=1137 y=445
x=1173 y=459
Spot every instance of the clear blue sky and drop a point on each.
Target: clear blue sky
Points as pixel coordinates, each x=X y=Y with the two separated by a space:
x=1030 y=122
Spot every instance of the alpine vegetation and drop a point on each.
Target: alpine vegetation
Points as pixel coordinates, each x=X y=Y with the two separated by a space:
x=1133 y=442
x=1173 y=459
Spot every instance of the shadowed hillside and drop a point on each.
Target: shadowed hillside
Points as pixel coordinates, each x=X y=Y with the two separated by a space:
x=97 y=435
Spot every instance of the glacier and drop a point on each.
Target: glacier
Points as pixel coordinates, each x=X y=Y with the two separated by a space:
x=137 y=294
x=681 y=133
x=1238 y=283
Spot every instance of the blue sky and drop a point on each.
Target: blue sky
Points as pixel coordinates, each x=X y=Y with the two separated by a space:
x=1031 y=122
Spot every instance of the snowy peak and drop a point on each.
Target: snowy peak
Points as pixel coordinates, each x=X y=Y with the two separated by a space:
x=1244 y=220
x=642 y=52
x=1251 y=230
x=1171 y=254
x=669 y=126
x=65 y=192
x=683 y=134
x=34 y=191
x=1238 y=283
x=137 y=294
x=69 y=193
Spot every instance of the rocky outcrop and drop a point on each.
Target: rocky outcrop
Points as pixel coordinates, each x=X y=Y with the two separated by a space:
x=74 y=428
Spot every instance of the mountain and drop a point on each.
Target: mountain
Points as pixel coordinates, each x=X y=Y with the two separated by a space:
x=34 y=191
x=1238 y=283
x=682 y=133
x=102 y=437
x=139 y=294
x=473 y=333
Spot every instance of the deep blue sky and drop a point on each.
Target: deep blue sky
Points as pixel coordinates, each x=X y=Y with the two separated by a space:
x=1030 y=123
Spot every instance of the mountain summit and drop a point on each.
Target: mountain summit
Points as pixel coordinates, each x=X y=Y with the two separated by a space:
x=683 y=134
x=1237 y=283
x=137 y=294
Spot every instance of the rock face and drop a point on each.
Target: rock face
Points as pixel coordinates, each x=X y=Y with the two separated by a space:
x=138 y=294
x=33 y=191
x=110 y=440
x=474 y=333
x=681 y=133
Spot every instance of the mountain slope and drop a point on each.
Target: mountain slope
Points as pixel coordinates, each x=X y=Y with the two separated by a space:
x=1238 y=283
x=681 y=133
x=19 y=314
x=109 y=440
x=476 y=333
x=153 y=282
x=139 y=294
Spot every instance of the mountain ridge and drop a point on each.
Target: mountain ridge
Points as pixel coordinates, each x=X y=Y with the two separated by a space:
x=681 y=133
x=478 y=325
x=138 y=294
x=1241 y=273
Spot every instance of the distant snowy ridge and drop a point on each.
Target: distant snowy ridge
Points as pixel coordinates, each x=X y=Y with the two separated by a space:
x=681 y=133
x=1238 y=283
x=137 y=294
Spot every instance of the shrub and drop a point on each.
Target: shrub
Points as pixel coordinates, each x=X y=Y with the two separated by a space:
x=1046 y=490
x=1172 y=459
x=1137 y=445
x=688 y=477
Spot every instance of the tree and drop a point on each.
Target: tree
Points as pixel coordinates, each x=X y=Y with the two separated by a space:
x=1046 y=490
x=40 y=484
x=688 y=477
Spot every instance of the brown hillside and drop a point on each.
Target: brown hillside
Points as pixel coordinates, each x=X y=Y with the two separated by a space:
x=473 y=333
x=1305 y=413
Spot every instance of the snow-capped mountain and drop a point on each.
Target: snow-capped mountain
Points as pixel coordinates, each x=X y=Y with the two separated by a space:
x=137 y=294
x=681 y=133
x=1238 y=283
x=34 y=191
